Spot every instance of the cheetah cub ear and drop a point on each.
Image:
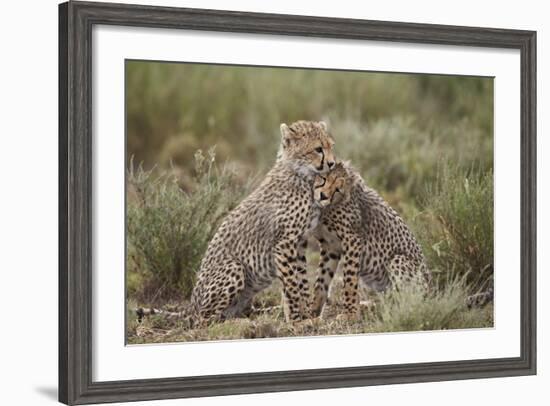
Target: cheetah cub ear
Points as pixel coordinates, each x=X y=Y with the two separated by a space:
x=285 y=131
x=323 y=125
x=286 y=134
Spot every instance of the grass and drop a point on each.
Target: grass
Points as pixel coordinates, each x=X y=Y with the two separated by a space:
x=424 y=142
x=409 y=309
x=456 y=225
x=413 y=309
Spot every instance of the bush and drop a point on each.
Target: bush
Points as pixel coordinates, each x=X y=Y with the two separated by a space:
x=169 y=228
x=411 y=308
x=456 y=226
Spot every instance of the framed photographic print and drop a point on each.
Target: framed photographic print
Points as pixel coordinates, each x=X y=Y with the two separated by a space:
x=258 y=202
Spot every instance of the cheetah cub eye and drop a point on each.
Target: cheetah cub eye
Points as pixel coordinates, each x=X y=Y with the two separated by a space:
x=319 y=181
x=329 y=189
x=320 y=191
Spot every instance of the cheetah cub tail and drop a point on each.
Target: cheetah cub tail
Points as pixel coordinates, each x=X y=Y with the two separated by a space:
x=184 y=315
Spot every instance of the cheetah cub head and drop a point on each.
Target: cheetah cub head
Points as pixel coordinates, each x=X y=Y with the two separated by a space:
x=308 y=145
x=333 y=187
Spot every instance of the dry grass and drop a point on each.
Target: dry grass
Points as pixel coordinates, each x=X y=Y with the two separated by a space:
x=407 y=310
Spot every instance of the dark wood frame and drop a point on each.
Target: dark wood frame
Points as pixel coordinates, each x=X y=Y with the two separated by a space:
x=76 y=20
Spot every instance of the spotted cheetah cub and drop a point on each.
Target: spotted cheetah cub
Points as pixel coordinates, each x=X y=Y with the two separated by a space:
x=359 y=230
x=262 y=239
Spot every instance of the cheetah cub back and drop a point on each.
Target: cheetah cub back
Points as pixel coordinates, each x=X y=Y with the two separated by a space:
x=362 y=233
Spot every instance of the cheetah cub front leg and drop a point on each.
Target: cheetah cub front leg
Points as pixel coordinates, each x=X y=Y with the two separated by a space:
x=285 y=263
x=330 y=253
x=303 y=283
x=350 y=268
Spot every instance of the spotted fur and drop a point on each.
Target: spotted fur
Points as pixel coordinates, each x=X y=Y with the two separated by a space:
x=362 y=233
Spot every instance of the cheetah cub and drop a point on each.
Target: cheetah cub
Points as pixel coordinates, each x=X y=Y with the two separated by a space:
x=262 y=239
x=359 y=230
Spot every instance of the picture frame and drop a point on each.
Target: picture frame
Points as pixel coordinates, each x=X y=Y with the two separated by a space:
x=76 y=256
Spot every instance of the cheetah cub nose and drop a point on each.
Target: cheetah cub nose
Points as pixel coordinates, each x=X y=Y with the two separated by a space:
x=330 y=164
x=323 y=196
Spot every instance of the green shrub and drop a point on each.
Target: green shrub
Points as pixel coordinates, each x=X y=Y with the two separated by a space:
x=411 y=308
x=168 y=229
x=456 y=226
